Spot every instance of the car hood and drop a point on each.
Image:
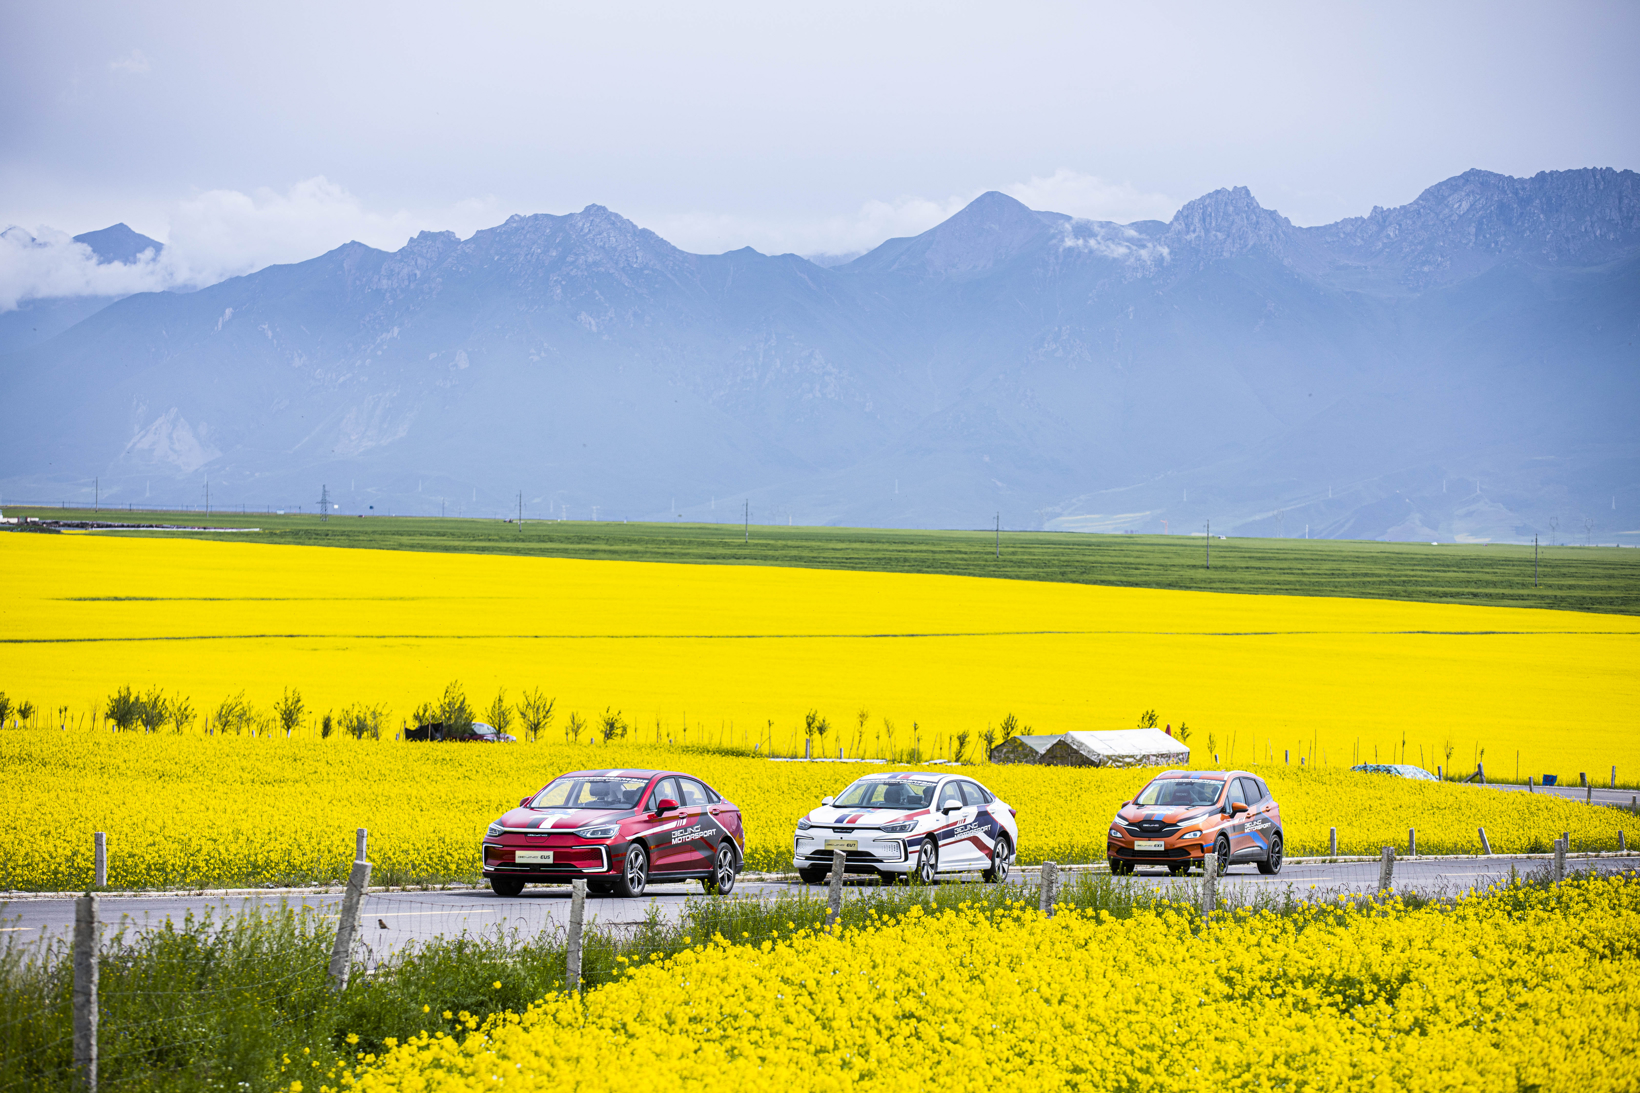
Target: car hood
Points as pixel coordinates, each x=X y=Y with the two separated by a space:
x=863 y=817
x=563 y=819
x=1133 y=814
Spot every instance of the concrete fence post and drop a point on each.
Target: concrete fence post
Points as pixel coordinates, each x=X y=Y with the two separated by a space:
x=1047 y=892
x=1386 y=870
x=577 y=922
x=808 y=749
x=1529 y=788
x=361 y=840
x=1566 y=837
x=1588 y=794
x=1486 y=844
x=834 y=892
x=1560 y=860
x=99 y=871
x=1332 y=842
x=1412 y=842
x=348 y=926
x=1621 y=846
x=1210 y=886
x=87 y=941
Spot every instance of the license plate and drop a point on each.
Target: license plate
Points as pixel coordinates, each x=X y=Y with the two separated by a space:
x=539 y=857
x=1149 y=844
x=842 y=844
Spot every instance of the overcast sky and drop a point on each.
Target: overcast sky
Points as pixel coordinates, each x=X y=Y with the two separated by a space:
x=244 y=134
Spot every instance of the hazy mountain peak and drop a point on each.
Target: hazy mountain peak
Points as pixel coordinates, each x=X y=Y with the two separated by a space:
x=985 y=233
x=118 y=243
x=1225 y=223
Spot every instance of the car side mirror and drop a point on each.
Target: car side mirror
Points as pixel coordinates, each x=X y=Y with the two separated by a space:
x=827 y=800
x=950 y=808
x=1238 y=807
x=666 y=804
x=525 y=803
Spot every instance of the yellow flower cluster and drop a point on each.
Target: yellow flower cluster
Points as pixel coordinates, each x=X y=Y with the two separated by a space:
x=1525 y=989
x=193 y=811
x=739 y=654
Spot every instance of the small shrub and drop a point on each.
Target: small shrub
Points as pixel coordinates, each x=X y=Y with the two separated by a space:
x=534 y=713
x=961 y=754
x=5 y=708
x=289 y=710
x=326 y=726
x=232 y=713
x=574 y=728
x=25 y=711
x=154 y=711
x=182 y=713
x=1148 y=720
x=124 y=708
x=500 y=714
x=611 y=726
x=360 y=720
x=453 y=711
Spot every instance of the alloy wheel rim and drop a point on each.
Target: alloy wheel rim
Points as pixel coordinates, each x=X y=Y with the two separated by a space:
x=1004 y=861
x=925 y=865
x=635 y=870
x=726 y=867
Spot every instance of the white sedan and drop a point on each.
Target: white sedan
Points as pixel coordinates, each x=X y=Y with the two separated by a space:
x=909 y=824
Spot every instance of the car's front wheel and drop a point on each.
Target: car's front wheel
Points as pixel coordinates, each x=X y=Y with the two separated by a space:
x=1273 y=857
x=1119 y=868
x=1221 y=856
x=635 y=877
x=506 y=886
x=928 y=862
x=1002 y=861
x=725 y=867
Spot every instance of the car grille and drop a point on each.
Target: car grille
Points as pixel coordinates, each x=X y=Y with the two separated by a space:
x=1153 y=828
x=1175 y=852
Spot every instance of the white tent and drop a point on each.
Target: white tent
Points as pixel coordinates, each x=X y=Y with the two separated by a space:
x=1120 y=748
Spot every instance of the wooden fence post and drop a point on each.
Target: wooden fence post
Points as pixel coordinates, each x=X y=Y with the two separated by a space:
x=1332 y=842
x=572 y=948
x=99 y=873
x=1486 y=844
x=1047 y=892
x=1386 y=870
x=834 y=894
x=348 y=926
x=86 y=943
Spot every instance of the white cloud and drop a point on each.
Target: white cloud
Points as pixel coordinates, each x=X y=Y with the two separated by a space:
x=49 y=263
x=1092 y=198
x=845 y=233
x=132 y=64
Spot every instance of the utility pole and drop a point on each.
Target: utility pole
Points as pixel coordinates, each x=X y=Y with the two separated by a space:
x=1209 y=544
x=207 y=495
x=520 y=510
x=96 y=495
x=324 y=504
x=748 y=518
x=1534 y=561
x=999 y=535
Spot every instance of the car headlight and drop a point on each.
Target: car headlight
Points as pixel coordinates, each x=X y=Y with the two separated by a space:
x=494 y=832
x=803 y=823
x=1117 y=833
x=899 y=828
x=1191 y=835
x=600 y=831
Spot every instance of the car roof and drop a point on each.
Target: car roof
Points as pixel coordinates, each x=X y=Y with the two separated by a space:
x=908 y=776
x=615 y=772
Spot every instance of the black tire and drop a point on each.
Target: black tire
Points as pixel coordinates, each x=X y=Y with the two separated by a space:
x=1002 y=861
x=812 y=876
x=1221 y=854
x=1119 y=868
x=1178 y=869
x=600 y=887
x=725 y=868
x=928 y=863
x=507 y=886
x=634 y=876
x=1274 y=856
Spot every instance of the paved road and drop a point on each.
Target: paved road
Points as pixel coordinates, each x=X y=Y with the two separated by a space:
x=391 y=919
x=1623 y=798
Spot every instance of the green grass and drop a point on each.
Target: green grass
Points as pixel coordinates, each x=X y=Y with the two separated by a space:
x=1598 y=579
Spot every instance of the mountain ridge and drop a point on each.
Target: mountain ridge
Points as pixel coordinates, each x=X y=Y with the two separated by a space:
x=1007 y=358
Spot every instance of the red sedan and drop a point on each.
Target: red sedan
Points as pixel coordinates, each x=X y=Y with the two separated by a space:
x=619 y=829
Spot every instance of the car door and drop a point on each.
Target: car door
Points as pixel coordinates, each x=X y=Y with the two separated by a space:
x=696 y=840
x=1236 y=826
x=957 y=851
x=1258 y=821
x=986 y=827
x=664 y=853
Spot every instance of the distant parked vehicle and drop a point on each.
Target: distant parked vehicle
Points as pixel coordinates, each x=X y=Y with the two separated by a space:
x=1399 y=770
x=477 y=732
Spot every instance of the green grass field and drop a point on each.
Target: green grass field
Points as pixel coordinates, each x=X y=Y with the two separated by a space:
x=1601 y=579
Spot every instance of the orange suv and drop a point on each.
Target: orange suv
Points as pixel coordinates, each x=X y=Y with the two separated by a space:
x=1182 y=816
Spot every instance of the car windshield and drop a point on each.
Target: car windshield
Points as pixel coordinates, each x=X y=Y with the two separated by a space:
x=882 y=793
x=590 y=791
x=1180 y=792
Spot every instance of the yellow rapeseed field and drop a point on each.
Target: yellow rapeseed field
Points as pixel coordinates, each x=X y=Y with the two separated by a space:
x=194 y=811
x=741 y=653
x=1524 y=989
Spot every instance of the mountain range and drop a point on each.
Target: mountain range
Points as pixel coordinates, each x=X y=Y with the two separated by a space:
x=1460 y=368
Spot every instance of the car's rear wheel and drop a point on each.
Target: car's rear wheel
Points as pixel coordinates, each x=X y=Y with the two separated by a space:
x=811 y=876
x=1120 y=868
x=635 y=876
x=1221 y=855
x=506 y=886
x=1002 y=861
x=725 y=867
x=928 y=862
x=1271 y=865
